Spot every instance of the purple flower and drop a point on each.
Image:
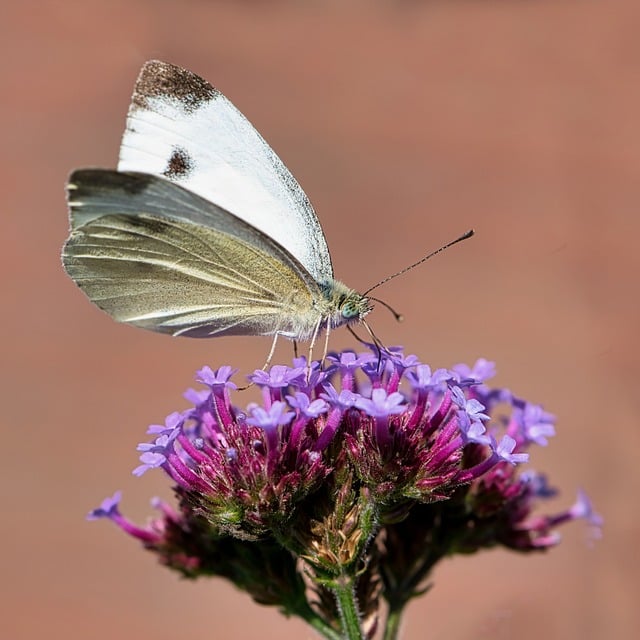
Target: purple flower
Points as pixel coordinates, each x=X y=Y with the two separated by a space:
x=312 y=379
x=397 y=363
x=481 y=371
x=582 y=508
x=472 y=407
x=219 y=378
x=381 y=405
x=376 y=454
x=350 y=361
x=422 y=378
x=538 y=484
x=196 y=397
x=150 y=460
x=278 y=377
x=344 y=399
x=473 y=430
x=156 y=453
x=306 y=406
x=346 y=364
x=275 y=381
x=108 y=508
x=171 y=424
x=504 y=450
x=276 y=416
x=398 y=359
x=533 y=424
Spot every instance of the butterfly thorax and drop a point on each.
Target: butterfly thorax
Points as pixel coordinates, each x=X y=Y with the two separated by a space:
x=332 y=306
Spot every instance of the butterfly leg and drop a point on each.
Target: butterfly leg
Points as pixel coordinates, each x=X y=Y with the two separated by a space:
x=326 y=344
x=271 y=351
x=268 y=362
x=314 y=337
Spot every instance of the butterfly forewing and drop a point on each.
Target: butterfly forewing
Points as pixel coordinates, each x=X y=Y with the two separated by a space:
x=139 y=251
x=181 y=128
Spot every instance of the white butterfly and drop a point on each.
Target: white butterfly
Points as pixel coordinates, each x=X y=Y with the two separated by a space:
x=202 y=231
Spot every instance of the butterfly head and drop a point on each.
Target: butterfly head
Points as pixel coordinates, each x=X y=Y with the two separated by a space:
x=344 y=305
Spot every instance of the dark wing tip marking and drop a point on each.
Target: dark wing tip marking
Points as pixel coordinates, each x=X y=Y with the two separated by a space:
x=158 y=79
x=180 y=164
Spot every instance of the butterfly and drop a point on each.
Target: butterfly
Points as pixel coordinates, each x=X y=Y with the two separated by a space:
x=202 y=231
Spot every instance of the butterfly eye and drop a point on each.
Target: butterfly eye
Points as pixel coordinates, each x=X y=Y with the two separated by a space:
x=349 y=311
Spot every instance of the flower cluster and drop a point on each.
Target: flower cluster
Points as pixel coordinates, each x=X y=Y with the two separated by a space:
x=363 y=474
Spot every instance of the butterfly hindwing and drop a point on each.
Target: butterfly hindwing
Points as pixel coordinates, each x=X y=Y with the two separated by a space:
x=138 y=250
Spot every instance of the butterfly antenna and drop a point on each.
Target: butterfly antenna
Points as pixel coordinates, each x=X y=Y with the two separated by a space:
x=464 y=236
x=398 y=316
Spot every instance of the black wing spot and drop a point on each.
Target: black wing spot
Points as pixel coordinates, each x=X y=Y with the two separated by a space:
x=180 y=164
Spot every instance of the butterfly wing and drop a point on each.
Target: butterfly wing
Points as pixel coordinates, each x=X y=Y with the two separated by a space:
x=183 y=129
x=139 y=250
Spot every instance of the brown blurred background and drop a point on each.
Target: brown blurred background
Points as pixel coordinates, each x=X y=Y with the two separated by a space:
x=406 y=123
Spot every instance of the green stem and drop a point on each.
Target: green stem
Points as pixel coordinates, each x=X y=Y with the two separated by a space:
x=392 y=628
x=348 y=606
x=323 y=628
x=300 y=608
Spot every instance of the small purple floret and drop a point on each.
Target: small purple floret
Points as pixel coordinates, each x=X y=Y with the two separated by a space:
x=343 y=400
x=422 y=378
x=536 y=425
x=349 y=360
x=473 y=431
x=219 y=378
x=276 y=416
x=504 y=451
x=278 y=377
x=481 y=371
x=108 y=507
x=381 y=405
x=171 y=423
x=306 y=406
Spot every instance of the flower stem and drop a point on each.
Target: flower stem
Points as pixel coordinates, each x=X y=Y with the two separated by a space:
x=323 y=628
x=345 y=595
x=302 y=610
x=393 y=624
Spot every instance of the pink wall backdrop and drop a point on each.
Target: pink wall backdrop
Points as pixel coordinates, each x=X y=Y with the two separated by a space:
x=406 y=123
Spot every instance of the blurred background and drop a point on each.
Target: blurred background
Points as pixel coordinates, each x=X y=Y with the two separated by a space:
x=406 y=123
